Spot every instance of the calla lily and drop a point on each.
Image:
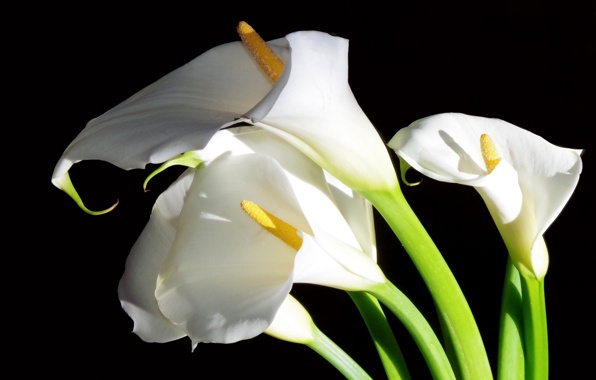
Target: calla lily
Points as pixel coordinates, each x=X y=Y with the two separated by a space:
x=311 y=106
x=526 y=190
x=203 y=268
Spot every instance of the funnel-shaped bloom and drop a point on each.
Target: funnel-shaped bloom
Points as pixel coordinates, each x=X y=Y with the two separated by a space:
x=203 y=268
x=524 y=180
x=311 y=106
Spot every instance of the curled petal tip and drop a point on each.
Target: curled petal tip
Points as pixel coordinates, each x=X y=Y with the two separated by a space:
x=189 y=159
x=64 y=183
x=403 y=168
x=102 y=211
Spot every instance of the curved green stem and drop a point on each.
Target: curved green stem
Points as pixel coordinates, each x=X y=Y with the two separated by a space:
x=511 y=329
x=382 y=335
x=454 y=310
x=418 y=327
x=535 y=329
x=336 y=356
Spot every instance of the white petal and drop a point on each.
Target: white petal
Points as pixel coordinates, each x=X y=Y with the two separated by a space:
x=137 y=286
x=225 y=276
x=502 y=193
x=317 y=193
x=178 y=113
x=325 y=260
x=310 y=185
x=358 y=213
x=317 y=113
x=442 y=148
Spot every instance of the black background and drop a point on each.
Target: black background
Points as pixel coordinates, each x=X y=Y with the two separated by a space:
x=531 y=63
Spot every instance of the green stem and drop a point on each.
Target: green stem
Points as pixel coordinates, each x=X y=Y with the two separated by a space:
x=535 y=329
x=418 y=327
x=382 y=335
x=455 y=312
x=450 y=348
x=336 y=356
x=511 y=330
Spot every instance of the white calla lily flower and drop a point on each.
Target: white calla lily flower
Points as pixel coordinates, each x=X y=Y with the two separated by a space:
x=526 y=190
x=311 y=106
x=203 y=268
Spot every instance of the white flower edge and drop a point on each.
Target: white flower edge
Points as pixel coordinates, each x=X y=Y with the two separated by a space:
x=526 y=192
